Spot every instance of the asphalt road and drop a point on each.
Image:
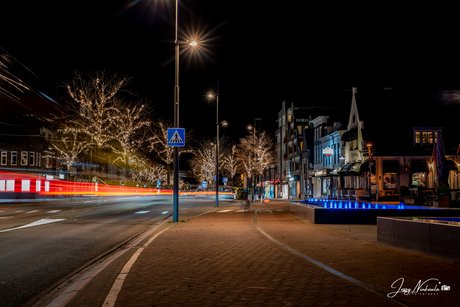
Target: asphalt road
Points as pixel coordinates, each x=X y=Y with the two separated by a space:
x=42 y=243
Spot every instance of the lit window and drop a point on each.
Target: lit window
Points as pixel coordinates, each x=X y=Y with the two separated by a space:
x=25 y=186
x=417 y=137
x=38 y=185
x=10 y=185
x=429 y=137
x=47 y=186
x=2 y=185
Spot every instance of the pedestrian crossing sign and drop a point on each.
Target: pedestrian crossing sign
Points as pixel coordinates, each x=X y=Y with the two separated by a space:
x=176 y=137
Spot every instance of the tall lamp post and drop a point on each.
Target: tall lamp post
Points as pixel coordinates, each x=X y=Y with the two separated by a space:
x=369 y=160
x=176 y=116
x=253 y=179
x=217 y=141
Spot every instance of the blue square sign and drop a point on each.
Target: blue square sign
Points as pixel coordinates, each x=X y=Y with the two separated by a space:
x=176 y=137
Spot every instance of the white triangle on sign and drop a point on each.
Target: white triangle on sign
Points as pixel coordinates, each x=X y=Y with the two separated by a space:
x=176 y=138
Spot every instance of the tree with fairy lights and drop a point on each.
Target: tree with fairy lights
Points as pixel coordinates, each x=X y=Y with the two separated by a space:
x=231 y=164
x=69 y=145
x=95 y=101
x=128 y=132
x=256 y=152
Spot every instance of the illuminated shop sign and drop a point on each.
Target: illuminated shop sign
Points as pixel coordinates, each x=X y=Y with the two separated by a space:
x=328 y=151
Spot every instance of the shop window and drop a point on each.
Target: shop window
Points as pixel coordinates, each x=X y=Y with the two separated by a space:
x=389 y=181
x=418 y=179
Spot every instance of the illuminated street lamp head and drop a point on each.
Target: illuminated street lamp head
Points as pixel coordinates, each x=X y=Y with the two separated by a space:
x=249 y=127
x=193 y=43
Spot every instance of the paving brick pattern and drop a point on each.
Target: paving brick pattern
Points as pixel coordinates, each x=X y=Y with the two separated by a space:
x=220 y=259
x=370 y=262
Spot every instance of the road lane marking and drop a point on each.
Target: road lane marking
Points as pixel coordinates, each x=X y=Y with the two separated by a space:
x=36 y=223
x=53 y=211
x=141 y=212
x=164 y=212
x=118 y=283
x=33 y=211
x=221 y=211
x=19 y=211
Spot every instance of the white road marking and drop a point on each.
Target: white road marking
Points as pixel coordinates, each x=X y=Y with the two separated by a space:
x=5 y=217
x=141 y=212
x=36 y=223
x=33 y=211
x=19 y=211
x=164 y=212
x=53 y=211
x=240 y=210
x=223 y=211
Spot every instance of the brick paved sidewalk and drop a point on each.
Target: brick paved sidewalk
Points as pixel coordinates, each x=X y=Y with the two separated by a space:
x=221 y=259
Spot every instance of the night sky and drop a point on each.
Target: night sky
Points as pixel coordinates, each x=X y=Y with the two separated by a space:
x=262 y=53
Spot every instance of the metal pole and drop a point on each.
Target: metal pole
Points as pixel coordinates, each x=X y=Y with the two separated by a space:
x=254 y=176
x=217 y=146
x=176 y=121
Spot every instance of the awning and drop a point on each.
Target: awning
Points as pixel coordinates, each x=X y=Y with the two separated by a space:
x=344 y=170
x=351 y=169
x=355 y=169
x=350 y=135
x=419 y=166
x=365 y=167
x=391 y=166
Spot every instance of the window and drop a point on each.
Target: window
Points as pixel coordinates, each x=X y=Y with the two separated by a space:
x=23 y=157
x=38 y=185
x=4 y=157
x=25 y=185
x=10 y=185
x=14 y=158
x=31 y=158
x=425 y=137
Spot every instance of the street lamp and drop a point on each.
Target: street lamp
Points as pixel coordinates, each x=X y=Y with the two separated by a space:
x=369 y=161
x=254 y=147
x=176 y=115
x=212 y=96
